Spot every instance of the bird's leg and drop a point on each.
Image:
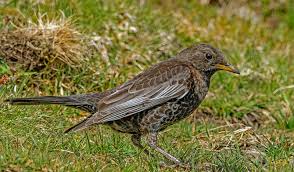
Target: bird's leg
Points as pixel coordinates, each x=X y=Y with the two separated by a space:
x=136 y=139
x=153 y=144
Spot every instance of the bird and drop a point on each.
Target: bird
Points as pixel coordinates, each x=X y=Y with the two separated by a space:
x=156 y=98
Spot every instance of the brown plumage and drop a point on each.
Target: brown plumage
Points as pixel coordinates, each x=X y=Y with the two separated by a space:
x=158 y=97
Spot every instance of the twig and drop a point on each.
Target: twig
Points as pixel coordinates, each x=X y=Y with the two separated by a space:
x=283 y=88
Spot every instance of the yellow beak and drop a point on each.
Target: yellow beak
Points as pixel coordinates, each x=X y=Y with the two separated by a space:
x=228 y=68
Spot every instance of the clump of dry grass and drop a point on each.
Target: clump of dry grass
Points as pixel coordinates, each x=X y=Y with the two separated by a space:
x=44 y=43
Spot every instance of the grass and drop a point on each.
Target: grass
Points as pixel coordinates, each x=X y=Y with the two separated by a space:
x=256 y=37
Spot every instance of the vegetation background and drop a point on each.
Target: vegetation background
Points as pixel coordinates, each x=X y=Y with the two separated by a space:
x=69 y=47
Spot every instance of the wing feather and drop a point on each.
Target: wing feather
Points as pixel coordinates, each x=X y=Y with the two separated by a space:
x=142 y=94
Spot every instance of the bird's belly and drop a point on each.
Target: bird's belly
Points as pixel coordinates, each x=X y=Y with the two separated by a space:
x=126 y=125
x=167 y=114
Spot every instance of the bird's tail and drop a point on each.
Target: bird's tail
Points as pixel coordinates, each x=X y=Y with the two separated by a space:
x=79 y=126
x=40 y=100
x=67 y=101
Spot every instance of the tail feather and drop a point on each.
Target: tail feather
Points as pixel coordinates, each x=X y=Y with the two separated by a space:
x=79 y=126
x=67 y=101
x=84 y=102
x=41 y=100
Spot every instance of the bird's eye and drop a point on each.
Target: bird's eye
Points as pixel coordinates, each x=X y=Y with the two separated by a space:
x=208 y=56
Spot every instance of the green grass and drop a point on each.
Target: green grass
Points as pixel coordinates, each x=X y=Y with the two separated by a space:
x=260 y=43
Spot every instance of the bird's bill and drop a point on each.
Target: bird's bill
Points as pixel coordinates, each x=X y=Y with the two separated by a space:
x=228 y=68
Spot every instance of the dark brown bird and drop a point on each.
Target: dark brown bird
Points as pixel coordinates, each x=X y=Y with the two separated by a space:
x=156 y=98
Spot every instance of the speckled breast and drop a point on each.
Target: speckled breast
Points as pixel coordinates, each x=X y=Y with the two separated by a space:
x=159 y=118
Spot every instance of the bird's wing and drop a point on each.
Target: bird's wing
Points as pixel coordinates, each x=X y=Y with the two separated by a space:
x=151 y=89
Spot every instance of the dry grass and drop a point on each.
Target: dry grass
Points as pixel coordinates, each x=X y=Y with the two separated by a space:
x=44 y=43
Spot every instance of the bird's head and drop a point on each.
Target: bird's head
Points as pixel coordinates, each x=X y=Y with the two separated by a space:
x=207 y=59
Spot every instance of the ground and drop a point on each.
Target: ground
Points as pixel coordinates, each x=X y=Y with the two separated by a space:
x=245 y=123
